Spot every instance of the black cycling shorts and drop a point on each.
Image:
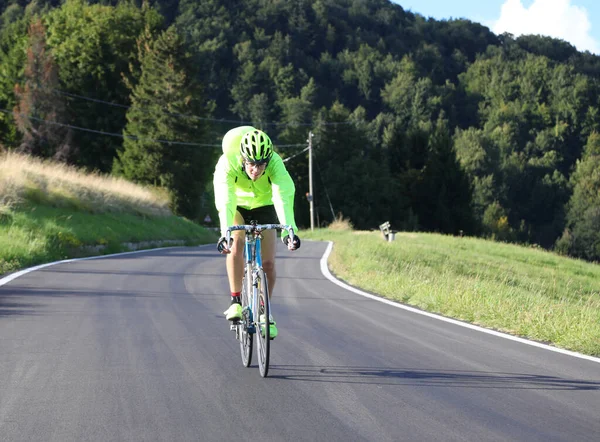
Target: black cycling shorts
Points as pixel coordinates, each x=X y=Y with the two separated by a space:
x=262 y=215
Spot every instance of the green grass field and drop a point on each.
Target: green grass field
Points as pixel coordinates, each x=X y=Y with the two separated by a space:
x=50 y=211
x=523 y=291
x=37 y=234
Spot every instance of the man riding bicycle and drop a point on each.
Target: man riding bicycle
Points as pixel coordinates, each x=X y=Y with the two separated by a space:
x=251 y=183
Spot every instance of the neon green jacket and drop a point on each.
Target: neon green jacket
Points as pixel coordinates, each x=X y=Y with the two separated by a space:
x=234 y=188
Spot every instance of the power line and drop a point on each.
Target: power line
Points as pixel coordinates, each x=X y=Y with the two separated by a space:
x=131 y=137
x=95 y=100
x=175 y=114
x=299 y=153
x=110 y=134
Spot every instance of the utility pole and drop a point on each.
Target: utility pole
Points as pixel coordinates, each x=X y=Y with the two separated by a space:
x=310 y=183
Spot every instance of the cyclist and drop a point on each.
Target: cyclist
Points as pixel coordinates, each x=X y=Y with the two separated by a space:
x=251 y=183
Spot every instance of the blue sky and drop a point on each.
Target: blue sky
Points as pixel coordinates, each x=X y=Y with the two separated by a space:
x=575 y=21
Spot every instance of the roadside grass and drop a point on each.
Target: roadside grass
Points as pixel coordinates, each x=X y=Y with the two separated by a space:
x=522 y=291
x=25 y=179
x=39 y=234
x=50 y=211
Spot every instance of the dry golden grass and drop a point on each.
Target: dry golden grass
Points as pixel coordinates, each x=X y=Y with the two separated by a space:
x=24 y=178
x=340 y=223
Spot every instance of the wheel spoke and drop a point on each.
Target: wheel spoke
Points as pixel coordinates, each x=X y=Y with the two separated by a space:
x=263 y=325
x=246 y=338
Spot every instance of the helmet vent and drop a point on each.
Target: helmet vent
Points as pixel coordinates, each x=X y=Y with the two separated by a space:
x=256 y=146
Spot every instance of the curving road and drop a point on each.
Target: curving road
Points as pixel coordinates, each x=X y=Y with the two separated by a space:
x=135 y=348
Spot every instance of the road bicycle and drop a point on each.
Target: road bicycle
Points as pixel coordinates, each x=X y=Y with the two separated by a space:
x=256 y=308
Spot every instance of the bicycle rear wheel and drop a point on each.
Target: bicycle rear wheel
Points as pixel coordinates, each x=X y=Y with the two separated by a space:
x=246 y=335
x=262 y=322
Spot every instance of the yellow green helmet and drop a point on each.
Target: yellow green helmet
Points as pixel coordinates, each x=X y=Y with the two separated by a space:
x=256 y=147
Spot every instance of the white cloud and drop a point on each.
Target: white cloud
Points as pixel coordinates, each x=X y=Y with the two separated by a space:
x=553 y=18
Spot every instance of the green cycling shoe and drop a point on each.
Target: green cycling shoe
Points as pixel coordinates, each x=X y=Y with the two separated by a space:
x=272 y=326
x=234 y=312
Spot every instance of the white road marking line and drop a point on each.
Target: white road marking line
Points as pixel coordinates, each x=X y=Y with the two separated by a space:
x=328 y=275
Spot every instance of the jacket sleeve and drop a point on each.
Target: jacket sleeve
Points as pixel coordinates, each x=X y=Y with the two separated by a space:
x=284 y=190
x=224 y=189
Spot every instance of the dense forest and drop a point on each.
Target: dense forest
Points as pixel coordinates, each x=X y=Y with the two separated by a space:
x=432 y=125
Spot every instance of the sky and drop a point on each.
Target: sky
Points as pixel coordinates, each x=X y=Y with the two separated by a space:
x=575 y=21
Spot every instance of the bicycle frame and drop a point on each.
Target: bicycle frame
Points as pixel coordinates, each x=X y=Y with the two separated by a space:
x=255 y=279
x=252 y=242
x=253 y=264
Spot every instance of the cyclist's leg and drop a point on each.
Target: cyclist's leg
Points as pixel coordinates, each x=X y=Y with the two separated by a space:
x=268 y=257
x=235 y=270
x=235 y=260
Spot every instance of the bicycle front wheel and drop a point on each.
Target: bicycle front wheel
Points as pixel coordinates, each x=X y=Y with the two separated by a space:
x=262 y=323
x=246 y=335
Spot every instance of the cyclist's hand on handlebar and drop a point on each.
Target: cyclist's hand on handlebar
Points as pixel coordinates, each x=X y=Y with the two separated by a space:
x=222 y=246
x=291 y=245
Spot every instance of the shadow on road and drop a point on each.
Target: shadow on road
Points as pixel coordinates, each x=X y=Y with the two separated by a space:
x=8 y=308
x=430 y=378
x=21 y=301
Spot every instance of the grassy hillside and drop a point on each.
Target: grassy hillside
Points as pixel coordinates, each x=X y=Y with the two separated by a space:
x=51 y=212
x=523 y=291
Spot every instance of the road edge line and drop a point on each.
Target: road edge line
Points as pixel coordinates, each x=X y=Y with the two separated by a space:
x=329 y=276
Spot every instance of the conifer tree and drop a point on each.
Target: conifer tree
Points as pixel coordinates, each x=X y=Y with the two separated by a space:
x=40 y=110
x=163 y=117
x=443 y=193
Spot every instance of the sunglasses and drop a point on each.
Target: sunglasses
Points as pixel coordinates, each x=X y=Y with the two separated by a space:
x=256 y=163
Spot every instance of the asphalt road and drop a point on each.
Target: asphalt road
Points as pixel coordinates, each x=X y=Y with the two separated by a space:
x=135 y=348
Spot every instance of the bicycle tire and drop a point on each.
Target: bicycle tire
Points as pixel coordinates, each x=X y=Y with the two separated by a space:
x=246 y=335
x=262 y=327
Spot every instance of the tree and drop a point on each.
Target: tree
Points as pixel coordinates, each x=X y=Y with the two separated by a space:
x=93 y=46
x=582 y=235
x=40 y=111
x=442 y=198
x=244 y=89
x=479 y=159
x=351 y=173
x=165 y=94
x=296 y=113
x=399 y=93
x=13 y=50
x=211 y=31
